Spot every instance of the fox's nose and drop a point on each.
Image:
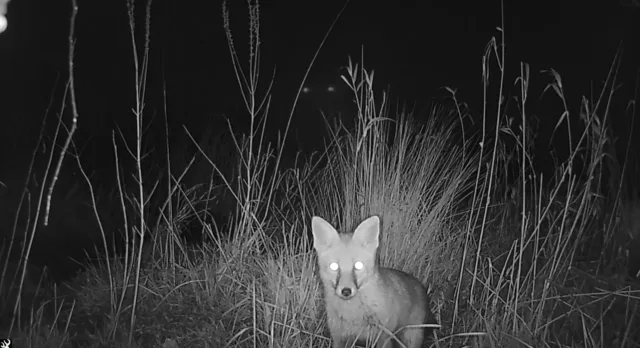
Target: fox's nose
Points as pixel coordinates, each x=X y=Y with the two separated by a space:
x=346 y=292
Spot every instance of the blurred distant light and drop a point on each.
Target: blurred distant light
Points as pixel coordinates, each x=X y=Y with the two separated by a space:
x=3 y=23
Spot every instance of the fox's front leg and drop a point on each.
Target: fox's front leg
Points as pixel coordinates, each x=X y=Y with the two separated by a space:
x=341 y=342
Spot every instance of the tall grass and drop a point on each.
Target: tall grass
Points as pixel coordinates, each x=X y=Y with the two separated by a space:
x=509 y=258
x=534 y=282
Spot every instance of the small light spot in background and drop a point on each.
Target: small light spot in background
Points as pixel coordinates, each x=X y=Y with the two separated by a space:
x=306 y=90
x=331 y=88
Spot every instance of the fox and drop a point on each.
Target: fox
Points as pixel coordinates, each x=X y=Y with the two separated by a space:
x=365 y=302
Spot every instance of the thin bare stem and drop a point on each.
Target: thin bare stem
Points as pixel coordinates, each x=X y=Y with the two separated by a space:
x=74 y=108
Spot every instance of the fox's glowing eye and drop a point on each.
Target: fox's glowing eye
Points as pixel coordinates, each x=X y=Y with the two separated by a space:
x=358 y=265
x=333 y=266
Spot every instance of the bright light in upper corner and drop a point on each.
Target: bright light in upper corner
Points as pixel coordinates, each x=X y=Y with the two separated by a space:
x=3 y=23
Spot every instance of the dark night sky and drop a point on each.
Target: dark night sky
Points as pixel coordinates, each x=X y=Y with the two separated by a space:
x=414 y=46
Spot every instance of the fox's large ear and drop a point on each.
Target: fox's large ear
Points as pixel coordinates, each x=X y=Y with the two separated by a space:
x=367 y=232
x=324 y=235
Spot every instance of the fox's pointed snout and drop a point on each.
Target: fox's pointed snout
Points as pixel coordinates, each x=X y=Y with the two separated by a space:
x=346 y=292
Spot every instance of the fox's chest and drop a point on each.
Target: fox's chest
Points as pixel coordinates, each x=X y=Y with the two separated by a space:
x=360 y=315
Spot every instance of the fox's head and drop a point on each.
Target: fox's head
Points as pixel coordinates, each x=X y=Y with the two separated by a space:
x=326 y=93
x=347 y=261
x=332 y=100
x=324 y=101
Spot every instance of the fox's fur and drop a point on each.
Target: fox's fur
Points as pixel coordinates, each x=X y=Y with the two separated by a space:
x=360 y=296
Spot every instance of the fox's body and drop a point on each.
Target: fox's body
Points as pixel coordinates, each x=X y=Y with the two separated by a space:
x=361 y=297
